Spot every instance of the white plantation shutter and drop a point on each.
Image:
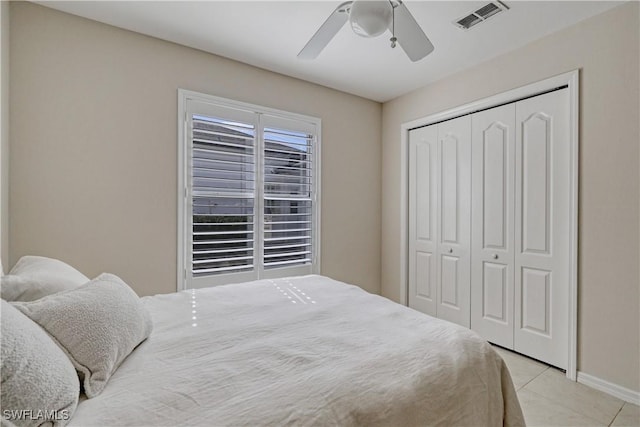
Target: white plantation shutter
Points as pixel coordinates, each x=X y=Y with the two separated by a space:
x=223 y=185
x=289 y=148
x=250 y=205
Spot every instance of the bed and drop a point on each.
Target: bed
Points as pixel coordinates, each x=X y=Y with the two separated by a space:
x=293 y=351
x=302 y=351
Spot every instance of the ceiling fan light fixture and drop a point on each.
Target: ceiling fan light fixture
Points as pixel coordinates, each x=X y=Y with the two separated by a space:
x=370 y=18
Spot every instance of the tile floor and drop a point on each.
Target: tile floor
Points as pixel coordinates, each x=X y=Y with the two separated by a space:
x=548 y=398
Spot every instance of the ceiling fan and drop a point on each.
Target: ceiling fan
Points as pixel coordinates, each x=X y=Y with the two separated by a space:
x=370 y=19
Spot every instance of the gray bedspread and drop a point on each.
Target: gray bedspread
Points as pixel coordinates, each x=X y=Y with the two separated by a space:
x=302 y=351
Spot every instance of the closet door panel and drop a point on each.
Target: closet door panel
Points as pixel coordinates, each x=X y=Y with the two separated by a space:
x=424 y=280
x=422 y=219
x=542 y=227
x=536 y=183
x=450 y=285
x=495 y=151
x=492 y=253
x=450 y=170
x=536 y=293
x=495 y=305
x=454 y=197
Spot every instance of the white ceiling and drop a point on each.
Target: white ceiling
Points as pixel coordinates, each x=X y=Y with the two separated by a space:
x=269 y=34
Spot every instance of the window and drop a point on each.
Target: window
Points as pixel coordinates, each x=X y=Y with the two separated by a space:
x=249 y=201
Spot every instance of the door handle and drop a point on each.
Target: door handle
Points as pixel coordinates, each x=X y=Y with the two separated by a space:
x=494 y=256
x=450 y=251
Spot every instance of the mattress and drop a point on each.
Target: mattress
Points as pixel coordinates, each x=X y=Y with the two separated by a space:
x=302 y=351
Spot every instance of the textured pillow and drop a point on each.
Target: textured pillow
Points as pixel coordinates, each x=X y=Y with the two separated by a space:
x=39 y=384
x=34 y=277
x=97 y=325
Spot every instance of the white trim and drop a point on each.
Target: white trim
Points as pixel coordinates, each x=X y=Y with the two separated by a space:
x=570 y=79
x=574 y=138
x=210 y=99
x=182 y=190
x=258 y=202
x=307 y=122
x=492 y=101
x=610 y=388
x=404 y=214
x=316 y=199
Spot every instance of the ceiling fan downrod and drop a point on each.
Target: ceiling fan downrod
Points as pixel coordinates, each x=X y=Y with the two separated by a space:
x=393 y=39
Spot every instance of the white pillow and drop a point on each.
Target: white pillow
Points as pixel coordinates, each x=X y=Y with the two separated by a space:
x=36 y=375
x=34 y=277
x=97 y=325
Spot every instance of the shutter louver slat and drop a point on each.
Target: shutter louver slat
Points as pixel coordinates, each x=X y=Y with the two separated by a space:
x=226 y=242
x=267 y=239
x=221 y=155
x=296 y=154
x=223 y=186
x=288 y=178
x=291 y=161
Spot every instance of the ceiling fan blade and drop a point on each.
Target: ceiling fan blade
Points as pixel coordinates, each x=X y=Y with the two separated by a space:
x=326 y=32
x=412 y=39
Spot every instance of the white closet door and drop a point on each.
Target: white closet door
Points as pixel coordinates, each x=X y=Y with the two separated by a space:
x=542 y=227
x=492 y=293
x=454 y=209
x=422 y=218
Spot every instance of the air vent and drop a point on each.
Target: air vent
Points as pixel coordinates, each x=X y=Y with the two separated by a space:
x=480 y=15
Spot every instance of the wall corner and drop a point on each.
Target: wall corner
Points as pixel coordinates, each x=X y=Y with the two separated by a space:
x=4 y=134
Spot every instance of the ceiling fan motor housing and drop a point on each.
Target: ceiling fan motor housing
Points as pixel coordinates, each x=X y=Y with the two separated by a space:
x=370 y=18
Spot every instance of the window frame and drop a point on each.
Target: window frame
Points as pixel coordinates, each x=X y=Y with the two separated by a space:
x=185 y=279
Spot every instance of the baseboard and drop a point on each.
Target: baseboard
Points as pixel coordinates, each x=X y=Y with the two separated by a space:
x=614 y=390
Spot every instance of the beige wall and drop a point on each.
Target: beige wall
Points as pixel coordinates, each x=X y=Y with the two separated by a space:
x=94 y=143
x=606 y=49
x=4 y=132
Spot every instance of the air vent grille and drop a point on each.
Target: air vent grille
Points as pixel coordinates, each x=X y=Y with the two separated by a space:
x=469 y=21
x=480 y=15
x=488 y=10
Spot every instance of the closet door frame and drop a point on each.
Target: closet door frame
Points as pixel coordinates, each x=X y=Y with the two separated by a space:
x=569 y=80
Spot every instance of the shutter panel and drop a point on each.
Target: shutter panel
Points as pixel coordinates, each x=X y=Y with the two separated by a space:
x=223 y=195
x=288 y=194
